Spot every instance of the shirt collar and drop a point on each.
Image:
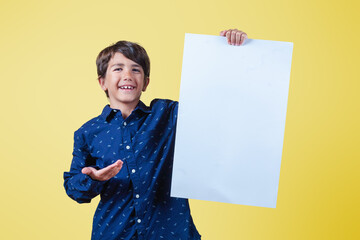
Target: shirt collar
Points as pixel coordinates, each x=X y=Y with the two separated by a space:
x=109 y=112
x=141 y=106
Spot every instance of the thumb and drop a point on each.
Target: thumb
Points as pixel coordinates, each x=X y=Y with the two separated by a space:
x=88 y=171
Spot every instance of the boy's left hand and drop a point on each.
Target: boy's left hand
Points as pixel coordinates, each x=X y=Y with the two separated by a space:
x=234 y=37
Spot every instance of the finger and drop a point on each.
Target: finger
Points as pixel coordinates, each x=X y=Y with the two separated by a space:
x=238 y=38
x=243 y=38
x=115 y=164
x=119 y=162
x=228 y=36
x=117 y=167
x=223 y=32
x=109 y=171
x=233 y=37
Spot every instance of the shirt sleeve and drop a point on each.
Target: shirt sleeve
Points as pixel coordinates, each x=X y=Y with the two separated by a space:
x=174 y=105
x=78 y=186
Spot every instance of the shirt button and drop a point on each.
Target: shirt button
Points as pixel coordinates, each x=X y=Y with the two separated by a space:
x=137 y=195
x=127 y=147
x=139 y=220
x=125 y=123
x=133 y=171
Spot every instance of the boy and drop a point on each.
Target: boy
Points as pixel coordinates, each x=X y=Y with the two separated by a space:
x=135 y=202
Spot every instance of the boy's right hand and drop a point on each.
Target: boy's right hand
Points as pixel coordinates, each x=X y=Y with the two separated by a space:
x=105 y=173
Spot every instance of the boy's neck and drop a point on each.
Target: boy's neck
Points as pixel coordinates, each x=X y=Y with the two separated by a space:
x=125 y=108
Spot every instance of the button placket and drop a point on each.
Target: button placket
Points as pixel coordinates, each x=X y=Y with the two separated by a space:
x=134 y=175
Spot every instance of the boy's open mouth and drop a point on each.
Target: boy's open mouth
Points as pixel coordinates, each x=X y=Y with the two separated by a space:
x=127 y=87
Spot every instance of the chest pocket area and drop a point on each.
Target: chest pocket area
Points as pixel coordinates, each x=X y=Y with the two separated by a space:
x=147 y=144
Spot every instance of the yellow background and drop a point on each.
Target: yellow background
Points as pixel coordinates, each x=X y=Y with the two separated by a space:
x=49 y=88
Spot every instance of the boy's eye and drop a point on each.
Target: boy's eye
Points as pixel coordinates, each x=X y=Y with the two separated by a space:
x=136 y=70
x=117 y=69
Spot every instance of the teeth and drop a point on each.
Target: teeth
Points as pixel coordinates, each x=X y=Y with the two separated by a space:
x=126 y=87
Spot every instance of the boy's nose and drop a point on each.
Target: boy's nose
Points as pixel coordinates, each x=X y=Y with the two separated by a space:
x=127 y=75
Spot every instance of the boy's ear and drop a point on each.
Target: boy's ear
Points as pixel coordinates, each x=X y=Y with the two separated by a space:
x=102 y=83
x=147 y=81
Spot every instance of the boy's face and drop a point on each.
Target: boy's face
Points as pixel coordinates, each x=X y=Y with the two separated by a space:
x=124 y=81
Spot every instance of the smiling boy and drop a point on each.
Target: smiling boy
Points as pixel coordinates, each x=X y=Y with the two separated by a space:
x=126 y=154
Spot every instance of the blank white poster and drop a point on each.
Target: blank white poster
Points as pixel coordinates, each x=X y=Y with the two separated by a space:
x=231 y=120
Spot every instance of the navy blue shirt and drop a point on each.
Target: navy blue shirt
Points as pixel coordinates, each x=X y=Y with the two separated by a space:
x=136 y=203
